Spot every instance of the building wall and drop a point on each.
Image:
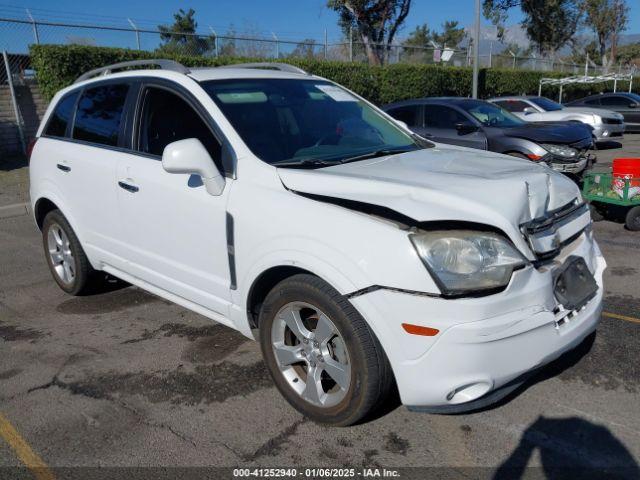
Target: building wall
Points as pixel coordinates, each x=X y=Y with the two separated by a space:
x=32 y=107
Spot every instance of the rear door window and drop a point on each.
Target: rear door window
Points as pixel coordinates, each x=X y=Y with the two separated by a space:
x=439 y=116
x=99 y=114
x=407 y=114
x=616 y=101
x=57 y=126
x=593 y=101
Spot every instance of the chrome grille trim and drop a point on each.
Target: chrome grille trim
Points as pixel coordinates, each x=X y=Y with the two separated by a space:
x=546 y=235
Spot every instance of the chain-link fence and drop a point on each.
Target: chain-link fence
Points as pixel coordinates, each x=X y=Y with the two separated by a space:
x=21 y=105
x=17 y=34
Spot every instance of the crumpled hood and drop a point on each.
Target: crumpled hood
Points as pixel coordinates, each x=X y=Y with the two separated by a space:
x=444 y=183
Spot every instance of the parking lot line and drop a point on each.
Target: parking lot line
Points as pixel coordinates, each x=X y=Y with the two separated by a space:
x=621 y=317
x=27 y=456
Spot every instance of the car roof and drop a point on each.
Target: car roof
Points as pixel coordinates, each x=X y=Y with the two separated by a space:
x=175 y=71
x=516 y=97
x=606 y=94
x=227 y=73
x=455 y=101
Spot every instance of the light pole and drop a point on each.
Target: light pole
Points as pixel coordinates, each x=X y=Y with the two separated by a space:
x=476 y=51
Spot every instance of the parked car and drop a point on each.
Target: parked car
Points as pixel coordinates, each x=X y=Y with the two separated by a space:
x=361 y=256
x=479 y=124
x=605 y=124
x=627 y=104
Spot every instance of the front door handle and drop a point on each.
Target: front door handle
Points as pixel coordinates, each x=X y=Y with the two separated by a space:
x=64 y=168
x=128 y=187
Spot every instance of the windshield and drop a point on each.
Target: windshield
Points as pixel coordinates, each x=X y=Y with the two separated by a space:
x=490 y=115
x=305 y=122
x=546 y=104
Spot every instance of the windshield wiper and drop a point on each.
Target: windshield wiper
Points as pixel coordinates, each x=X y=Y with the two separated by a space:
x=306 y=163
x=378 y=153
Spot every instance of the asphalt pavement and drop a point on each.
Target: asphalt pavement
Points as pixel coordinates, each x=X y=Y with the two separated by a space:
x=122 y=378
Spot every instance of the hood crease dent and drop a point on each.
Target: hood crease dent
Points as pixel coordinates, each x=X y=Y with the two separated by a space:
x=442 y=184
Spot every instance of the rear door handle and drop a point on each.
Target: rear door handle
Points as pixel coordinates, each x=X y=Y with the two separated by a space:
x=64 y=168
x=128 y=187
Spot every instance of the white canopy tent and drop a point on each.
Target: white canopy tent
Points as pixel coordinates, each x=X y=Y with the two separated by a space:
x=577 y=79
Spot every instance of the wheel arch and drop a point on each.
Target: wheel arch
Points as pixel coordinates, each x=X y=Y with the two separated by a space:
x=263 y=284
x=41 y=208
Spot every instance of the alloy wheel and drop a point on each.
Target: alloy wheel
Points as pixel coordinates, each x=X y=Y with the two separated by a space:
x=60 y=254
x=311 y=354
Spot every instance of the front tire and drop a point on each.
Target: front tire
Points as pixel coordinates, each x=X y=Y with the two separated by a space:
x=321 y=354
x=67 y=261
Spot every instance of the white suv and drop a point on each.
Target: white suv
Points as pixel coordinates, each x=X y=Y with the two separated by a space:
x=362 y=257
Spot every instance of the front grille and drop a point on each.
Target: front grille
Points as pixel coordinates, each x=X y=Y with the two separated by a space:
x=612 y=121
x=548 y=234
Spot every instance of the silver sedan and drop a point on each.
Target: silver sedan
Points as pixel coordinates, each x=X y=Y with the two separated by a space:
x=604 y=123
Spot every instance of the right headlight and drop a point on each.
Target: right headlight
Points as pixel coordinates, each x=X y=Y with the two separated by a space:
x=464 y=261
x=560 y=150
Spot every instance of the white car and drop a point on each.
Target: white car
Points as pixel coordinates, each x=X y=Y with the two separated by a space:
x=605 y=124
x=278 y=203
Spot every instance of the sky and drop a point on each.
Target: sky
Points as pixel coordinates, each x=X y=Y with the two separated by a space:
x=288 y=19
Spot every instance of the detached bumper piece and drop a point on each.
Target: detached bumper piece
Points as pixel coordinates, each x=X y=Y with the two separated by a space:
x=547 y=235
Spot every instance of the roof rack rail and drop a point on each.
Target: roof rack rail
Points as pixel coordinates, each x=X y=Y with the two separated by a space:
x=164 y=64
x=283 y=67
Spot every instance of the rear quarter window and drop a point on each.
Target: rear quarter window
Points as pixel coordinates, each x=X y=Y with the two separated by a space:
x=61 y=116
x=100 y=113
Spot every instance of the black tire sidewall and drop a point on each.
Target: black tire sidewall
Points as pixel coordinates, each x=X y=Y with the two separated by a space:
x=356 y=403
x=632 y=219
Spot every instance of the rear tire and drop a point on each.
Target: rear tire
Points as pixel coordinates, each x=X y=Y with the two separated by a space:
x=321 y=354
x=67 y=261
x=632 y=220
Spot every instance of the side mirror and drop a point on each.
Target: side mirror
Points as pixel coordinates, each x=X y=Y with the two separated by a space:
x=190 y=156
x=465 y=128
x=401 y=123
x=529 y=110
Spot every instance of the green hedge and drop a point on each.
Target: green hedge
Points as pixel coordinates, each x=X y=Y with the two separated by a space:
x=57 y=66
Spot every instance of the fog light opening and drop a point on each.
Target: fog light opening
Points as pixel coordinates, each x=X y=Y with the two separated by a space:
x=469 y=392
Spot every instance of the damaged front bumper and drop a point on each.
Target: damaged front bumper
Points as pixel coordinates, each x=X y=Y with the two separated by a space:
x=485 y=344
x=574 y=167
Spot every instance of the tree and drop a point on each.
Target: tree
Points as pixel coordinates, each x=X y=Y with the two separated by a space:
x=580 y=51
x=419 y=46
x=517 y=50
x=420 y=37
x=629 y=54
x=607 y=18
x=451 y=35
x=416 y=46
x=180 y=38
x=375 y=21
x=550 y=24
x=304 y=49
